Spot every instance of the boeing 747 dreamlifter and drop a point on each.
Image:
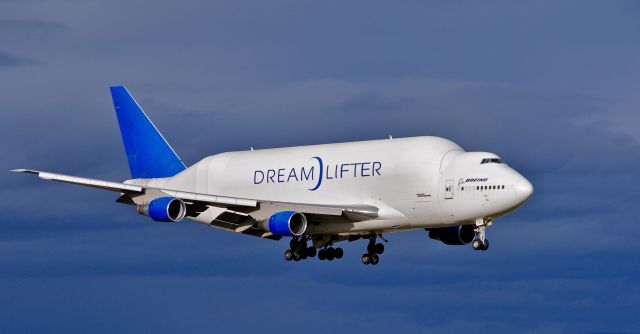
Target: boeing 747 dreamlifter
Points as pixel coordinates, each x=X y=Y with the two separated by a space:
x=316 y=195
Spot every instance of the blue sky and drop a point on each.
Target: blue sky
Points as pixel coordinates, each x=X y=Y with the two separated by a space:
x=551 y=86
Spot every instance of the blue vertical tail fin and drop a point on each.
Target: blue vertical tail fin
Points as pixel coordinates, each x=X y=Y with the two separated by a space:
x=148 y=153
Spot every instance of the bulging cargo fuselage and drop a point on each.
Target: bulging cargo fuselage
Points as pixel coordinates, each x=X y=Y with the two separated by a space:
x=418 y=182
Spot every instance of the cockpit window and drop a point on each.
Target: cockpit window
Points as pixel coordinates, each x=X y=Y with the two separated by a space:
x=491 y=161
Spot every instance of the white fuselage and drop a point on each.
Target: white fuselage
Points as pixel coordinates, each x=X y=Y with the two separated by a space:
x=417 y=182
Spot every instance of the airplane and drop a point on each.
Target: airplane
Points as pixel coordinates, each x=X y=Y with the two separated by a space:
x=316 y=195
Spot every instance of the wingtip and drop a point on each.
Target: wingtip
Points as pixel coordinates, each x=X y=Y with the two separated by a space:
x=22 y=170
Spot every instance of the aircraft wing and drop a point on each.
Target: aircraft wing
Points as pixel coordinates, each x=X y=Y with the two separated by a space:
x=229 y=213
x=112 y=186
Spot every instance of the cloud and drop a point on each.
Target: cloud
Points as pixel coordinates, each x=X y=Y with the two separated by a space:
x=9 y=60
x=30 y=26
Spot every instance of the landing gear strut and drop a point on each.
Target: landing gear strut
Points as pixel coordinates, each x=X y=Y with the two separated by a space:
x=480 y=242
x=373 y=250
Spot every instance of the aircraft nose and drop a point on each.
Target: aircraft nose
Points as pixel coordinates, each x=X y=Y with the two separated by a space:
x=524 y=189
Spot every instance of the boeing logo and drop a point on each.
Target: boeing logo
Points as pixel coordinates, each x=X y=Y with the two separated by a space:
x=484 y=179
x=317 y=172
x=463 y=181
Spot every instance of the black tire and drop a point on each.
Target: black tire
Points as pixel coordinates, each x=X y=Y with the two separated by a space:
x=288 y=255
x=485 y=245
x=296 y=257
x=476 y=244
x=371 y=248
x=322 y=255
x=293 y=243
x=366 y=259
x=338 y=253
x=330 y=254
x=379 y=248
x=311 y=251
x=374 y=259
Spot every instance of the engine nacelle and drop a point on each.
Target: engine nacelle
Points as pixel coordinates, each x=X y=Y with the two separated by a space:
x=454 y=235
x=286 y=223
x=164 y=209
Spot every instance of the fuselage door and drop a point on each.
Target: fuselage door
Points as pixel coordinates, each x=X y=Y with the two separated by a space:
x=448 y=189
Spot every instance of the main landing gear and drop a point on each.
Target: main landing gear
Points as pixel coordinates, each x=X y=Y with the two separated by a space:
x=299 y=250
x=480 y=242
x=373 y=250
x=330 y=253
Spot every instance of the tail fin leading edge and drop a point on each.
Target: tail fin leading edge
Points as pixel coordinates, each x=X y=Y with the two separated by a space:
x=148 y=153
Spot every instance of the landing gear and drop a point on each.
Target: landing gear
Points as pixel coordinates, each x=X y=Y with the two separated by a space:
x=330 y=253
x=288 y=255
x=373 y=249
x=299 y=250
x=480 y=242
x=477 y=244
x=311 y=251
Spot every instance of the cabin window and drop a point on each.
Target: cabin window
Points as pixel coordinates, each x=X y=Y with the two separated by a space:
x=491 y=161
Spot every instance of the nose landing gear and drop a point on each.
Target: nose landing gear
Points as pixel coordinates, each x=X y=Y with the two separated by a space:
x=480 y=242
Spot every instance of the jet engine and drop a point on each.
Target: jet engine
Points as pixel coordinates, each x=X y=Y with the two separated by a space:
x=286 y=223
x=453 y=235
x=164 y=209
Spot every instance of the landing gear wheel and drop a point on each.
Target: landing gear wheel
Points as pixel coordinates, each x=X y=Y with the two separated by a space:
x=322 y=255
x=374 y=259
x=293 y=243
x=371 y=248
x=330 y=254
x=379 y=248
x=485 y=245
x=311 y=251
x=288 y=255
x=366 y=259
x=338 y=253
x=296 y=257
x=476 y=244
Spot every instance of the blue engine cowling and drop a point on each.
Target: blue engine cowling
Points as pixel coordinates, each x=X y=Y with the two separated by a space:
x=454 y=235
x=164 y=209
x=287 y=223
